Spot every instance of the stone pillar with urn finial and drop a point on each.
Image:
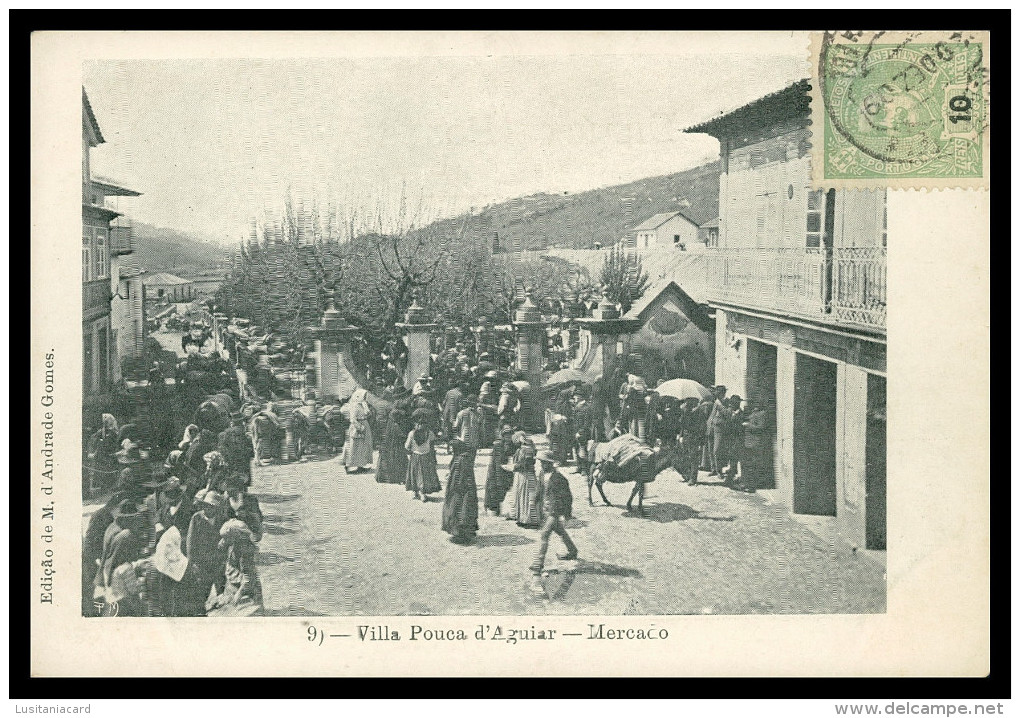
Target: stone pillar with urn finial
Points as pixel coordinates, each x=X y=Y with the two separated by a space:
x=610 y=335
x=417 y=336
x=332 y=348
x=530 y=357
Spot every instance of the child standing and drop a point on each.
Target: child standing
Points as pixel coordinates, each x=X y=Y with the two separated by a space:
x=422 y=477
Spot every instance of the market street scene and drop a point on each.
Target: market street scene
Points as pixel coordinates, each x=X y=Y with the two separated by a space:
x=463 y=365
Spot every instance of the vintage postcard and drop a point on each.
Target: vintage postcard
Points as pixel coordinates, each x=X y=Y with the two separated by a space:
x=510 y=354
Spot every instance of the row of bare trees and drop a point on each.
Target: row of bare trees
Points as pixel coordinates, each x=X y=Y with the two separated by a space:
x=282 y=274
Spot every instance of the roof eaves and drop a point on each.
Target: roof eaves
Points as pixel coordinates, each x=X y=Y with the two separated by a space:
x=91 y=116
x=791 y=100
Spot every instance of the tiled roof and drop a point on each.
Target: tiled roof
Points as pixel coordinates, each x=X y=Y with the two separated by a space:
x=165 y=278
x=711 y=223
x=789 y=102
x=657 y=220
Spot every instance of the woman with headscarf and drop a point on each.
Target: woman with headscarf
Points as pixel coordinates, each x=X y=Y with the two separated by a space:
x=216 y=471
x=488 y=401
x=101 y=454
x=522 y=503
x=460 y=502
x=392 y=456
x=358 y=447
x=207 y=560
x=509 y=406
x=498 y=480
x=420 y=446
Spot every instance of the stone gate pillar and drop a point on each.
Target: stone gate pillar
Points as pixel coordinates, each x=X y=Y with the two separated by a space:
x=332 y=348
x=606 y=329
x=531 y=358
x=417 y=336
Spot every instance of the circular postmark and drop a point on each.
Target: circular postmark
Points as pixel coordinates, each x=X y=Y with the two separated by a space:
x=901 y=106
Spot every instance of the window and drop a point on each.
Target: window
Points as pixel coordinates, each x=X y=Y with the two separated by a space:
x=676 y=239
x=102 y=255
x=814 y=218
x=86 y=254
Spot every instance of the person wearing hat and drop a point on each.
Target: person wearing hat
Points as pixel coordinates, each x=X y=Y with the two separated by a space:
x=692 y=436
x=242 y=530
x=392 y=467
x=124 y=541
x=422 y=478
x=460 y=502
x=585 y=428
x=719 y=432
x=734 y=437
x=755 y=453
x=205 y=556
x=522 y=502
x=128 y=487
x=194 y=465
x=557 y=507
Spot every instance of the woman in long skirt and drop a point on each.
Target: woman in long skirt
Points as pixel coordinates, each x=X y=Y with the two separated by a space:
x=392 y=456
x=422 y=477
x=498 y=480
x=358 y=447
x=460 y=505
x=522 y=501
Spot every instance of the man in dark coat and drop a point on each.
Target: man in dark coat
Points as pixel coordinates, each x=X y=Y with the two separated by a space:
x=452 y=404
x=557 y=507
x=236 y=447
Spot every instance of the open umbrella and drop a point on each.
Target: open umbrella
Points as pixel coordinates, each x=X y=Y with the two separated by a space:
x=568 y=376
x=683 y=389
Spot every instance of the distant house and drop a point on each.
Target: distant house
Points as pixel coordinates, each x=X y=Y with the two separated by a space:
x=708 y=233
x=166 y=286
x=669 y=229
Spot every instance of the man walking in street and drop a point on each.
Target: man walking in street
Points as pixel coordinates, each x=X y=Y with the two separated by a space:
x=557 y=507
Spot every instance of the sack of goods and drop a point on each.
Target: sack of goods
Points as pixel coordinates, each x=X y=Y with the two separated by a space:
x=622 y=450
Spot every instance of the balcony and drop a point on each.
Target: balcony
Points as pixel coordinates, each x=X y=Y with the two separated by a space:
x=95 y=298
x=843 y=286
x=122 y=240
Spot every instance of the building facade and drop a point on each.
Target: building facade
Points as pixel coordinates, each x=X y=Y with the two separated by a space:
x=675 y=337
x=798 y=283
x=669 y=229
x=163 y=286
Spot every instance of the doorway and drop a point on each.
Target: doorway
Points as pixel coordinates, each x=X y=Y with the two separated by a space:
x=761 y=390
x=814 y=437
x=874 y=466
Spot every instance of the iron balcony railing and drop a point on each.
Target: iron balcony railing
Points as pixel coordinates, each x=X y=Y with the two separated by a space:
x=844 y=285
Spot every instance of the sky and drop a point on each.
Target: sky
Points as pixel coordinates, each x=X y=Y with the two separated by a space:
x=213 y=144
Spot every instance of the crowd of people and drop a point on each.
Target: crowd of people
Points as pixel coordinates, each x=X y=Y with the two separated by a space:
x=179 y=538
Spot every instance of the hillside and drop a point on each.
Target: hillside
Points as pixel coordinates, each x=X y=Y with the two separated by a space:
x=602 y=215
x=159 y=249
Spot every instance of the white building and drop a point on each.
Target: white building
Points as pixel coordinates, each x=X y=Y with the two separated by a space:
x=669 y=229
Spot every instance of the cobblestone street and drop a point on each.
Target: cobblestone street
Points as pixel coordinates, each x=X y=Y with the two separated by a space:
x=339 y=544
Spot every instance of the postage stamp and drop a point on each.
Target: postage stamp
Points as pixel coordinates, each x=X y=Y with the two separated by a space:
x=900 y=109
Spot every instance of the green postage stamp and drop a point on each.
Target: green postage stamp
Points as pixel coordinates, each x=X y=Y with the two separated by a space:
x=900 y=109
